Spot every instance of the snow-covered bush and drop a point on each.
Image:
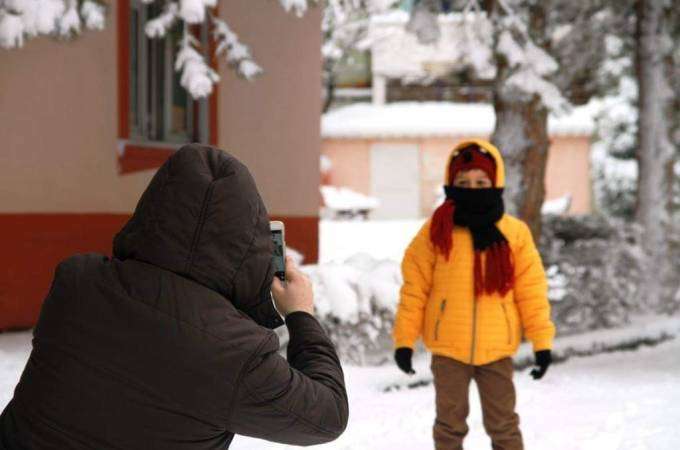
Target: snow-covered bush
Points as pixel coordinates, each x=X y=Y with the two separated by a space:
x=596 y=266
x=356 y=301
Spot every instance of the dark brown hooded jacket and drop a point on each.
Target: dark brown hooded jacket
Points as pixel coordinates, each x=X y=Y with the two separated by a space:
x=169 y=344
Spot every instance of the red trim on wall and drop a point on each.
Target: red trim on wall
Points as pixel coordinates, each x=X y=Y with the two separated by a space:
x=302 y=234
x=137 y=158
x=213 y=103
x=33 y=244
x=214 y=97
x=123 y=68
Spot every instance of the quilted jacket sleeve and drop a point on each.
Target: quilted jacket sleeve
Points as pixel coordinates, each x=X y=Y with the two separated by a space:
x=531 y=292
x=417 y=269
x=301 y=401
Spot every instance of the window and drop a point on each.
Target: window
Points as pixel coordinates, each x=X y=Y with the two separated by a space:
x=155 y=114
x=160 y=109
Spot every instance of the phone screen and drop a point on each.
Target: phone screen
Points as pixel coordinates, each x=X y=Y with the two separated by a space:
x=278 y=258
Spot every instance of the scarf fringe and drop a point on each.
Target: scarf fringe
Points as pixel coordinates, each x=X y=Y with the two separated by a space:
x=441 y=227
x=492 y=273
x=498 y=274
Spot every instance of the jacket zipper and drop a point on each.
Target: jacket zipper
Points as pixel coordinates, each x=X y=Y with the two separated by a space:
x=474 y=331
x=442 y=307
x=507 y=323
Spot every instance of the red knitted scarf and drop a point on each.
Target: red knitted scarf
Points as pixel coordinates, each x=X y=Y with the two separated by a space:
x=478 y=211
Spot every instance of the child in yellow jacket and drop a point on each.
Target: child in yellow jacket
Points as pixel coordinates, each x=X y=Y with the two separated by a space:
x=474 y=284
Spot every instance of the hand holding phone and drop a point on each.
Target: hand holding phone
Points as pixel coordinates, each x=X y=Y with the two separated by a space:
x=296 y=294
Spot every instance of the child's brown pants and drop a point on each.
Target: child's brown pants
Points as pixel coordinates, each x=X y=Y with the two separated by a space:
x=497 y=395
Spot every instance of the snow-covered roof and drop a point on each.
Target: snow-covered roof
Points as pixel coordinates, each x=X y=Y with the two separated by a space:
x=436 y=119
x=342 y=198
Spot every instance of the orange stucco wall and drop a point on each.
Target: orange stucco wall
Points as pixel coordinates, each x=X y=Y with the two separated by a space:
x=351 y=159
x=568 y=172
x=568 y=168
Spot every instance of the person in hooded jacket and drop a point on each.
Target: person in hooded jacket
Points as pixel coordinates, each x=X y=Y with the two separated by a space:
x=474 y=284
x=169 y=343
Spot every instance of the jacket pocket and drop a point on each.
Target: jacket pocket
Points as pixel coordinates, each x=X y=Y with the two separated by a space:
x=508 y=324
x=440 y=313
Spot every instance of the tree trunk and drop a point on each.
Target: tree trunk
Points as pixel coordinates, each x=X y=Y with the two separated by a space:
x=655 y=152
x=521 y=132
x=330 y=92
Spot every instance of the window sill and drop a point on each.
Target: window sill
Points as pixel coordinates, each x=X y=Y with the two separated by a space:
x=138 y=156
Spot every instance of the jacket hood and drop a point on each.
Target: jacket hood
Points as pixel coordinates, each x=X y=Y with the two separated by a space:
x=484 y=145
x=202 y=217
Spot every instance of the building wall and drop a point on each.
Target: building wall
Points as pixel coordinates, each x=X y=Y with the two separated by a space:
x=59 y=127
x=568 y=172
x=568 y=167
x=351 y=163
x=61 y=190
x=273 y=123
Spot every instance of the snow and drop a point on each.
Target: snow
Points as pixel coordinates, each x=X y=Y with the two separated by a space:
x=237 y=54
x=158 y=26
x=93 y=15
x=11 y=31
x=20 y=19
x=398 y=53
x=342 y=198
x=428 y=45
x=70 y=21
x=325 y=164
x=193 y=11
x=618 y=401
x=197 y=77
x=298 y=6
x=359 y=285
x=436 y=119
x=559 y=205
x=557 y=283
x=381 y=239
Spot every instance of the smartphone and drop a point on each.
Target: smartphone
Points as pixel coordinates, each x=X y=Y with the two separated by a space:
x=279 y=258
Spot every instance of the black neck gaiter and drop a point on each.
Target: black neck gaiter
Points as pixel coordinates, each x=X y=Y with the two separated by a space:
x=478 y=210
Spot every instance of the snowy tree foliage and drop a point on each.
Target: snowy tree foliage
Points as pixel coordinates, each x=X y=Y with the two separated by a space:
x=614 y=165
x=540 y=57
x=484 y=40
x=25 y=19
x=345 y=27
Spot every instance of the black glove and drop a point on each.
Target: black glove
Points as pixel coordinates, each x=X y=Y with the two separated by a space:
x=403 y=358
x=543 y=361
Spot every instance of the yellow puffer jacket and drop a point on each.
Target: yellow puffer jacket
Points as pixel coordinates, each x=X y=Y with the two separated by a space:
x=437 y=301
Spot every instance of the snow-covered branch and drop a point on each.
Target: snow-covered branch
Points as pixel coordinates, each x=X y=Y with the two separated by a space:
x=237 y=54
x=160 y=25
x=25 y=19
x=197 y=76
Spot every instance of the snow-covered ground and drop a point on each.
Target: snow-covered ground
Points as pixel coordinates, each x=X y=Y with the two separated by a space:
x=619 y=401
x=627 y=400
